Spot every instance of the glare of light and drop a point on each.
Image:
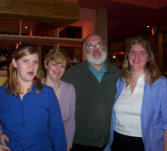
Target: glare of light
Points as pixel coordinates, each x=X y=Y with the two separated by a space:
x=148 y=26
x=25 y=27
x=17 y=45
x=113 y=57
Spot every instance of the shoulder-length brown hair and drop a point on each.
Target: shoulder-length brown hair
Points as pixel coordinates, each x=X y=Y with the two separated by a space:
x=152 y=71
x=13 y=86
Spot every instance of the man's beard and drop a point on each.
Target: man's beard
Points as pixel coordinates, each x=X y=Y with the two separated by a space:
x=99 y=61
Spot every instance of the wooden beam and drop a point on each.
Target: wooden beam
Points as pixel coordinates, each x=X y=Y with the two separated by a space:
x=51 y=11
x=40 y=39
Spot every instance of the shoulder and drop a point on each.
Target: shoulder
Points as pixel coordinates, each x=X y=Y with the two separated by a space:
x=2 y=89
x=46 y=89
x=77 y=66
x=162 y=81
x=74 y=72
x=120 y=83
x=67 y=86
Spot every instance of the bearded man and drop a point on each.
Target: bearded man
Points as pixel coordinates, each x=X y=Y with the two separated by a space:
x=95 y=85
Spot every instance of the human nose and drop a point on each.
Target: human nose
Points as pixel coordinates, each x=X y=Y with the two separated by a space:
x=137 y=54
x=31 y=64
x=58 y=68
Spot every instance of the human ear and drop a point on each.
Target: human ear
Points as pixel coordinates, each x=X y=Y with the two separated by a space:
x=45 y=64
x=14 y=63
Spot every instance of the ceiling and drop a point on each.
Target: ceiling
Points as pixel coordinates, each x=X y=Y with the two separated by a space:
x=125 y=17
x=130 y=17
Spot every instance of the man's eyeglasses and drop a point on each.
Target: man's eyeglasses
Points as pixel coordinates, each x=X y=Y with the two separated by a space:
x=139 y=53
x=93 y=46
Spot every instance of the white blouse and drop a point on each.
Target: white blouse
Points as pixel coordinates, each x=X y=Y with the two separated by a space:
x=128 y=110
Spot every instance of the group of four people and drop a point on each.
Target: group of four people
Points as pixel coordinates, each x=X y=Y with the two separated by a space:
x=101 y=108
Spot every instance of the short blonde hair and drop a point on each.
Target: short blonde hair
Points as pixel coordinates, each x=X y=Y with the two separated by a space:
x=58 y=55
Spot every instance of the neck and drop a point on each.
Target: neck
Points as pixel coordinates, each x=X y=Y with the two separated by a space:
x=98 y=66
x=26 y=86
x=136 y=74
x=54 y=84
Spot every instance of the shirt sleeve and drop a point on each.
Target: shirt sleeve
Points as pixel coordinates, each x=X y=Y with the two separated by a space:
x=71 y=122
x=162 y=93
x=56 y=126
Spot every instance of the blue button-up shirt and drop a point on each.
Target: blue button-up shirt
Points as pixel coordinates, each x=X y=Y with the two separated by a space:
x=153 y=114
x=33 y=123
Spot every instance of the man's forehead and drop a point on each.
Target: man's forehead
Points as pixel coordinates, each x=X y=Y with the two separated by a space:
x=94 y=38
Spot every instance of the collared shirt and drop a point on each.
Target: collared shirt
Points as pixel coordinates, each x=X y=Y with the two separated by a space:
x=98 y=73
x=93 y=103
x=33 y=124
x=153 y=114
x=128 y=110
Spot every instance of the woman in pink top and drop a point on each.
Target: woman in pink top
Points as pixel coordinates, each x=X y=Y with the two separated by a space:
x=56 y=62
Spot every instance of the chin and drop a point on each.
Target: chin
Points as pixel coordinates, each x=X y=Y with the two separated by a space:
x=96 y=61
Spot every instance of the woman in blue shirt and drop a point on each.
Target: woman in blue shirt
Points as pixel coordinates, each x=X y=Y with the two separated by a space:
x=29 y=111
x=139 y=116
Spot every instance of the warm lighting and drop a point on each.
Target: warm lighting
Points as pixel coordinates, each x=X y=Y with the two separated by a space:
x=148 y=26
x=114 y=57
x=30 y=32
x=25 y=27
x=17 y=45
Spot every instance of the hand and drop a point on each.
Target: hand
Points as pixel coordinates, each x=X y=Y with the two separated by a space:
x=68 y=149
x=3 y=139
x=4 y=148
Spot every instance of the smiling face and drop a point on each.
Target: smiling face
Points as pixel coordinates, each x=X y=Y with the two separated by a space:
x=95 y=52
x=138 y=57
x=26 y=67
x=55 y=70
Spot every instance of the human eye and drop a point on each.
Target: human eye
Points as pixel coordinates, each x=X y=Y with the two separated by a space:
x=36 y=62
x=25 y=61
x=63 y=66
x=90 y=46
x=54 y=64
x=142 y=53
x=98 y=45
x=132 y=52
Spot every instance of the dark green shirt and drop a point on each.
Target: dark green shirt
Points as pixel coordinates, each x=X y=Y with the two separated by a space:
x=94 y=103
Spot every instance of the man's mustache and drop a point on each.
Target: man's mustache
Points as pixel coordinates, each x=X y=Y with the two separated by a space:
x=96 y=52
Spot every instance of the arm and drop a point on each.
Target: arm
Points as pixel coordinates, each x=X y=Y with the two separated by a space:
x=70 y=129
x=56 y=125
x=163 y=97
x=165 y=140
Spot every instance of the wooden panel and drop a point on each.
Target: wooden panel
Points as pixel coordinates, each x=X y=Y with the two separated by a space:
x=40 y=10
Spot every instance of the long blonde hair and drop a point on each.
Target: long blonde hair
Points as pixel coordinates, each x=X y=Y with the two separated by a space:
x=12 y=84
x=151 y=68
